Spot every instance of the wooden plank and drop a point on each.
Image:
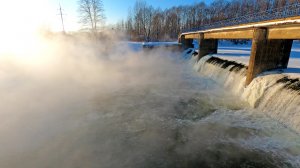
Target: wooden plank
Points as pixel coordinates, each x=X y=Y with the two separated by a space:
x=192 y=36
x=283 y=31
x=292 y=32
x=239 y=34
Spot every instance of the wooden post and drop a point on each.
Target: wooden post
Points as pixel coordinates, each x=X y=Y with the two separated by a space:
x=186 y=43
x=207 y=46
x=267 y=54
x=278 y=53
x=259 y=42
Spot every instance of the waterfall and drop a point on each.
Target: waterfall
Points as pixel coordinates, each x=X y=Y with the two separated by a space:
x=272 y=93
x=276 y=95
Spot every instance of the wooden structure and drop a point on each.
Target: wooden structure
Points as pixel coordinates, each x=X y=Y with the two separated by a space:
x=271 y=42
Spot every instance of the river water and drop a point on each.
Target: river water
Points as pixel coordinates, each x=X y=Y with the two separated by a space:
x=154 y=110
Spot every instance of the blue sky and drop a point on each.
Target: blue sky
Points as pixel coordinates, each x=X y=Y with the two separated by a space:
x=115 y=10
x=118 y=9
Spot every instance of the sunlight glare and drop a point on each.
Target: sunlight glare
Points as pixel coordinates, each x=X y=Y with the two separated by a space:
x=21 y=22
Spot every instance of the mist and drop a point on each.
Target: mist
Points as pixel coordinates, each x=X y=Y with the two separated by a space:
x=64 y=100
x=69 y=101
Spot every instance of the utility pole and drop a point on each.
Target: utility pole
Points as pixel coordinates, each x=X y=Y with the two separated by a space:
x=62 y=19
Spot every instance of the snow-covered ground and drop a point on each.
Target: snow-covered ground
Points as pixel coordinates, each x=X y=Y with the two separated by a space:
x=241 y=53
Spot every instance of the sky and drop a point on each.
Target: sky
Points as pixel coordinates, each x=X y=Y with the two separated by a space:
x=118 y=9
x=115 y=10
x=45 y=13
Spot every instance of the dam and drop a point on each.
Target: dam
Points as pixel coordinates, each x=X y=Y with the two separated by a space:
x=260 y=81
x=272 y=33
x=271 y=42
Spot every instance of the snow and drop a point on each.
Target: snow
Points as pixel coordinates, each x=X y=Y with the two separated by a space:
x=138 y=46
x=241 y=54
x=160 y=43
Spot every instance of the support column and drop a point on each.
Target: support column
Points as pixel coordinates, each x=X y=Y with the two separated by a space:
x=186 y=43
x=267 y=54
x=278 y=53
x=207 y=46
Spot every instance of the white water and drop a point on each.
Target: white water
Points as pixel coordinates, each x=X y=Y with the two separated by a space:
x=273 y=99
x=264 y=93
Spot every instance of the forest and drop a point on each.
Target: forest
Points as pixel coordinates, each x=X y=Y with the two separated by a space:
x=146 y=23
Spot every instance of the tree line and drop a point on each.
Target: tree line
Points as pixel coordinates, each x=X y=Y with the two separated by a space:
x=146 y=23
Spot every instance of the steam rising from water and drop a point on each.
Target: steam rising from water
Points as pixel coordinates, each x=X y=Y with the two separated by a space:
x=72 y=102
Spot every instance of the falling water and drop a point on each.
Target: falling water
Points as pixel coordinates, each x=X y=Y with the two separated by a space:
x=272 y=93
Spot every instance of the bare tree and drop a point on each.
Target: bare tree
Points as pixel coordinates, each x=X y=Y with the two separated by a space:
x=147 y=23
x=157 y=24
x=143 y=18
x=91 y=14
x=137 y=12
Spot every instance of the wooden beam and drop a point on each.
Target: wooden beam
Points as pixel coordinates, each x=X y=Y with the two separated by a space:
x=233 y=34
x=259 y=43
x=276 y=32
x=291 y=32
x=192 y=36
